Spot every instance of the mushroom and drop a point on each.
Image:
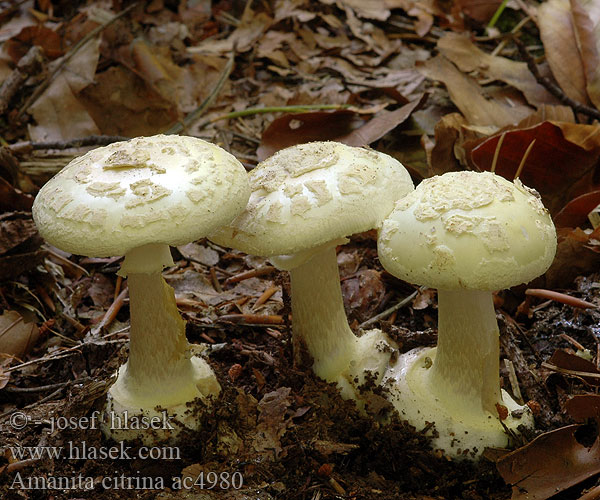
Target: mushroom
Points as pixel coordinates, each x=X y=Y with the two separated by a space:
x=135 y=198
x=305 y=200
x=466 y=234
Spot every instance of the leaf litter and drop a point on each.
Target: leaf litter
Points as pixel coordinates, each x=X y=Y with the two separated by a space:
x=423 y=81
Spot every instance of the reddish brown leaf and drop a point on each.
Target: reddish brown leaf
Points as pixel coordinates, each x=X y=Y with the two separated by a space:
x=560 y=166
x=342 y=126
x=38 y=35
x=572 y=362
x=551 y=463
x=478 y=10
x=13 y=199
x=381 y=124
x=18 y=232
x=576 y=255
x=575 y=213
x=306 y=127
x=584 y=406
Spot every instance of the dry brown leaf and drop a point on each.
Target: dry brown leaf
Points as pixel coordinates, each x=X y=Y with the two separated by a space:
x=249 y=31
x=551 y=463
x=468 y=57
x=560 y=46
x=575 y=213
x=583 y=406
x=12 y=198
x=468 y=96
x=572 y=362
x=382 y=123
x=586 y=23
x=17 y=338
x=58 y=112
x=362 y=293
x=447 y=131
x=272 y=423
x=574 y=257
x=199 y=253
x=17 y=233
x=122 y=104
x=423 y=10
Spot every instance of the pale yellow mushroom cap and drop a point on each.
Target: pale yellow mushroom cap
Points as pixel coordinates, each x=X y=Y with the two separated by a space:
x=307 y=195
x=163 y=189
x=468 y=230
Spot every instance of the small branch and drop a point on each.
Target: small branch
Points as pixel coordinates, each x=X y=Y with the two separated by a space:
x=253 y=273
x=390 y=310
x=194 y=115
x=551 y=87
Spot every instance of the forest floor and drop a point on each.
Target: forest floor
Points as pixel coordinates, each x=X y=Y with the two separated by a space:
x=424 y=81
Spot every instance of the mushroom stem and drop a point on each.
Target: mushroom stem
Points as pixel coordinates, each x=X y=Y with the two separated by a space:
x=467 y=356
x=318 y=314
x=160 y=370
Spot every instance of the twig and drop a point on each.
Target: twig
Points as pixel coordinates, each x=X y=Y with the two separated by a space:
x=560 y=297
x=42 y=388
x=110 y=313
x=68 y=56
x=194 y=115
x=577 y=373
x=260 y=271
x=253 y=319
x=514 y=381
x=551 y=87
x=30 y=63
x=266 y=295
x=41 y=401
x=390 y=310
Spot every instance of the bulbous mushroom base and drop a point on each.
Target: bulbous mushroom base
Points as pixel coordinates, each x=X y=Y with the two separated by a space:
x=368 y=367
x=461 y=432
x=152 y=420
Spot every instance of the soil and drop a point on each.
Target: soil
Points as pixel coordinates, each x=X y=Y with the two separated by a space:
x=276 y=431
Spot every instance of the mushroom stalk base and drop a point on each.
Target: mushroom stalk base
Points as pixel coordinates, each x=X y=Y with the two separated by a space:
x=319 y=320
x=456 y=385
x=160 y=372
